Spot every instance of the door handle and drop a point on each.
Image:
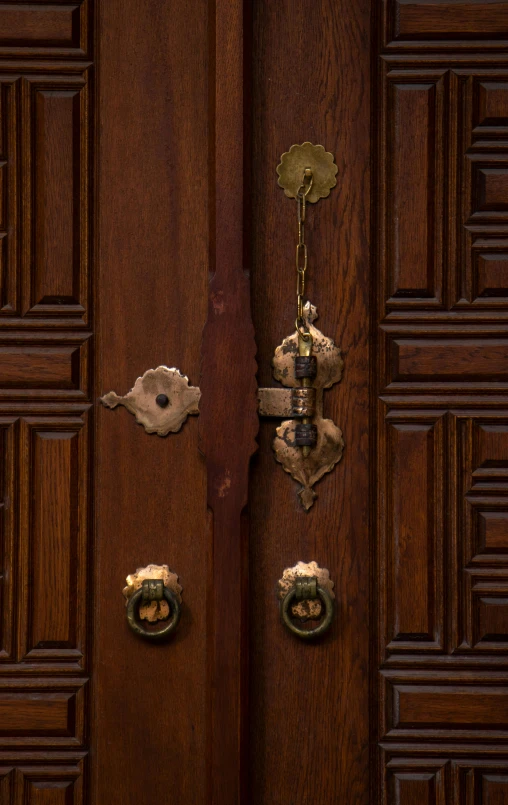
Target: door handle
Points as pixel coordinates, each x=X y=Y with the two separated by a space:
x=306 y=593
x=153 y=595
x=307 y=589
x=306 y=363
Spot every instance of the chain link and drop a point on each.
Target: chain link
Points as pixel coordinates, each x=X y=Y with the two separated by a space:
x=301 y=251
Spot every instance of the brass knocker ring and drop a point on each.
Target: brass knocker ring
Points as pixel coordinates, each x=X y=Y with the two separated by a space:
x=153 y=590
x=307 y=588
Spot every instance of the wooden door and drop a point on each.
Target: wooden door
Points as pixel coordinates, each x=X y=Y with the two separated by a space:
x=141 y=225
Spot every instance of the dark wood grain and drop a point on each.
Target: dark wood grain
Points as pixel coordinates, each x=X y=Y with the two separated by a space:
x=34 y=713
x=444 y=25
x=39 y=366
x=228 y=420
x=441 y=363
x=309 y=703
x=492 y=275
x=414 y=161
x=137 y=159
x=55 y=534
x=415 y=507
x=57 y=167
x=45 y=24
x=438 y=707
x=45 y=367
x=45 y=192
x=426 y=20
x=42 y=713
x=411 y=787
x=149 y=700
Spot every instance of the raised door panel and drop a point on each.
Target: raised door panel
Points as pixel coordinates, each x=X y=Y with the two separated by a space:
x=445 y=24
x=7 y=775
x=59 y=783
x=58 y=211
x=422 y=786
x=46 y=427
x=413 y=526
x=42 y=712
x=478 y=533
x=55 y=525
x=455 y=114
x=464 y=781
x=45 y=195
x=42 y=28
x=45 y=540
x=9 y=529
x=413 y=221
x=494 y=789
x=46 y=785
x=428 y=709
x=441 y=370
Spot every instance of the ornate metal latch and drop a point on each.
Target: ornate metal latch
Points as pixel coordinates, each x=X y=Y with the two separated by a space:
x=306 y=363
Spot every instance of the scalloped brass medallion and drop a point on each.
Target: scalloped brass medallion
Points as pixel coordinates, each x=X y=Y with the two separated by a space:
x=299 y=158
x=160 y=400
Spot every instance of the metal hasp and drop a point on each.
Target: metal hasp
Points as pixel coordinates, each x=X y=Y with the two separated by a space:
x=326 y=369
x=162 y=399
x=153 y=595
x=295 y=404
x=306 y=593
x=306 y=445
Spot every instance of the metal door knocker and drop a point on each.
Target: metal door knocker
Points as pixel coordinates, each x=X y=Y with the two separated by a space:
x=305 y=364
x=306 y=593
x=153 y=595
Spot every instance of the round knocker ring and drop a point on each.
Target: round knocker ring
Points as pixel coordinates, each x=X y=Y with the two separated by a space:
x=307 y=589
x=153 y=590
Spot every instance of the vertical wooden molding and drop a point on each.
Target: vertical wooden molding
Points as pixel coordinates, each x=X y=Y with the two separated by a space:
x=228 y=419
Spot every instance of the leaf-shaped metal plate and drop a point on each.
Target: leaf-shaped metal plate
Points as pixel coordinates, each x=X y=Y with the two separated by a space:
x=141 y=400
x=330 y=444
x=329 y=360
x=322 y=458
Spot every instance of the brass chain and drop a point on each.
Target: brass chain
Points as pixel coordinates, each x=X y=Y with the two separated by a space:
x=301 y=252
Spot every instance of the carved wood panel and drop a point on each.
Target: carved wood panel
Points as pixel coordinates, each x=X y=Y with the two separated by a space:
x=441 y=376
x=442 y=433
x=61 y=784
x=44 y=193
x=46 y=105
